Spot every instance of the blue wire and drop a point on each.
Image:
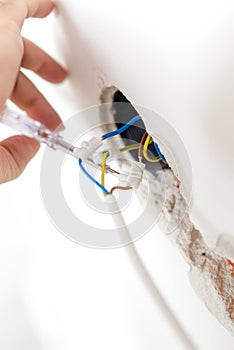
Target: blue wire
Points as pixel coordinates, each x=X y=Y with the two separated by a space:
x=124 y=128
x=158 y=151
x=92 y=178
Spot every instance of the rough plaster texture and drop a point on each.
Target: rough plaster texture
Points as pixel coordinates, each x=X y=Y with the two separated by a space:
x=211 y=275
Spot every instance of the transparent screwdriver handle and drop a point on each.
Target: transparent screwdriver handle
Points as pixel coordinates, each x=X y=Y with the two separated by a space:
x=21 y=122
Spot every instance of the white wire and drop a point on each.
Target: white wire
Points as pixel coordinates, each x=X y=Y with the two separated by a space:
x=147 y=280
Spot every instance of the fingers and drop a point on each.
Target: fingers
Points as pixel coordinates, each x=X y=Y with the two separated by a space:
x=15 y=153
x=11 y=52
x=39 y=8
x=39 y=62
x=18 y=10
x=11 y=43
x=28 y=98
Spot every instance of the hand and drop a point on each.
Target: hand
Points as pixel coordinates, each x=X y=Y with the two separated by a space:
x=16 y=52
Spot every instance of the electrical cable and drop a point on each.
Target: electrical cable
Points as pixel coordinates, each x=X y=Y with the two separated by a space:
x=140 y=152
x=157 y=297
x=92 y=178
x=158 y=151
x=104 y=158
x=130 y=147
x=122 y=129
x=145 y=277
x=134 y=257
x=145 y=151
x=120 y=188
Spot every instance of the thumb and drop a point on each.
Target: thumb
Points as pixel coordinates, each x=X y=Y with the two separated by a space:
x=15 y=153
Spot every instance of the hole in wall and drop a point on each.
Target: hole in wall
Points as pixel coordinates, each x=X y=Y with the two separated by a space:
x=122 y=106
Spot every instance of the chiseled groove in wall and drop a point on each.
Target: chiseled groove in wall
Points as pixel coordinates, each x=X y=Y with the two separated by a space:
x=210 y=273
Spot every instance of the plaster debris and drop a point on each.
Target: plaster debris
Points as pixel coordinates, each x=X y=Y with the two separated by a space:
x=211 y=275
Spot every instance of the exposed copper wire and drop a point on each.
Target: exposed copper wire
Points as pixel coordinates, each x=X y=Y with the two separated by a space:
x=120 y=188
x=177 y=180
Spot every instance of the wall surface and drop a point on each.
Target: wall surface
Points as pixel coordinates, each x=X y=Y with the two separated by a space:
x=176 y=59
x=57 y=295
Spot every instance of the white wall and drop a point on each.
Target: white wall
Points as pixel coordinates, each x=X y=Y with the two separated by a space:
x=56 y=295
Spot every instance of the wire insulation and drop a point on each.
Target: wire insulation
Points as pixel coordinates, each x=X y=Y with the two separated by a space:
x=140 y=152
x=122 y=129
x=130 y=147
x=145 y=151
x=146 y=278
x=158 y=151
x=105 y=155
x=91 y=177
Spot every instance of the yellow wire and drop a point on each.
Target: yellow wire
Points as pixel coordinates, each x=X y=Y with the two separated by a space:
x=105 y=155
x=145 y=151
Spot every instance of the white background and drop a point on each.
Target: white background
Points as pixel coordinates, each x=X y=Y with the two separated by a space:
x=57 y=295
